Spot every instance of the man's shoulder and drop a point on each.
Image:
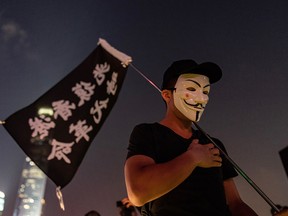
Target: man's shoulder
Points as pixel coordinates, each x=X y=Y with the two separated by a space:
x=146 y=125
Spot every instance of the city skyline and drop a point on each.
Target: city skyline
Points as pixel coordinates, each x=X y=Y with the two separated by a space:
x=31 y=190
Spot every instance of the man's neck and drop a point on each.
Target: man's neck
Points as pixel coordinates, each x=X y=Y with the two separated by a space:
x=179 y=126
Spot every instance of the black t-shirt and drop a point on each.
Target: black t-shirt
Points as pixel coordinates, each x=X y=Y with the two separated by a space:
x=202 y=193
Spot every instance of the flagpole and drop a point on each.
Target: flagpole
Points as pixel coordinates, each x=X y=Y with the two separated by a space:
x=240 y=171
x=145 y=77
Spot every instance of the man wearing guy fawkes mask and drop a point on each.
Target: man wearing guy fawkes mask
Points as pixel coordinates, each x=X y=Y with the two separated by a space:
x=171 y=169
x=191 y=95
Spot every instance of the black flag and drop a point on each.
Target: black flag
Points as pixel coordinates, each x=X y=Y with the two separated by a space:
x=57 y=129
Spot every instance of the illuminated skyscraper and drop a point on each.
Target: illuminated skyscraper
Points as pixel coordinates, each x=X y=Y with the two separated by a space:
x=31 y=191
x=2 y=200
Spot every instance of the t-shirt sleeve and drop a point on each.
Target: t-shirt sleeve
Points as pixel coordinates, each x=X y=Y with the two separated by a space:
x=227 y=168
x=141 y=141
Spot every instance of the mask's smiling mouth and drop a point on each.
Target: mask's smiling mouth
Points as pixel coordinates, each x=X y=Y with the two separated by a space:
x=198 y=106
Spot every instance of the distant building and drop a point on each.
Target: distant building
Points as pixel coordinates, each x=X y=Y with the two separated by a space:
x=31 y=191
x=2 y=200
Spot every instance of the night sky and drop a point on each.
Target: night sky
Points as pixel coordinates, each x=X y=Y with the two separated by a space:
x=42 y=41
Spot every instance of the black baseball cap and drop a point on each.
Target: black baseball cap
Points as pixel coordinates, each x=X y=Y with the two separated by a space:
x=186 y=66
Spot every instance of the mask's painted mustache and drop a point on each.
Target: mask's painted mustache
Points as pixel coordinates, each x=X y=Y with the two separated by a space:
x=197 y=106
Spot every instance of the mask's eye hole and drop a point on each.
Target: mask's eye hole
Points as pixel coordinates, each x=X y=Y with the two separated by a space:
x=206 y=92
x=191 y=89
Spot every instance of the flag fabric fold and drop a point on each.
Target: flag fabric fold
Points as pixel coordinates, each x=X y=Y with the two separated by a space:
x=57 y=129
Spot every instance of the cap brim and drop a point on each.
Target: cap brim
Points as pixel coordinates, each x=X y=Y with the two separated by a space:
x=209 y=69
